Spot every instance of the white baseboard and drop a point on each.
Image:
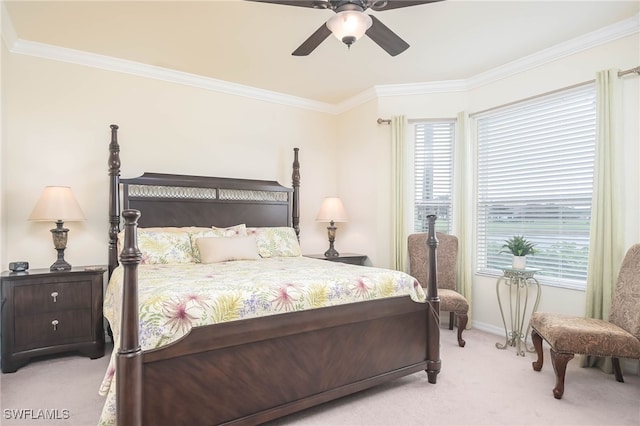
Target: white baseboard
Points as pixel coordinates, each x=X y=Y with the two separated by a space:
x=489 y=328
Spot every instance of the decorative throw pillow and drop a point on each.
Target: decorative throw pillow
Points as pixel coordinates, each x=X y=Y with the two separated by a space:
x=158 y=229
x=279 y=241
x=213 y=232
x=159 y=245
x=222 y=249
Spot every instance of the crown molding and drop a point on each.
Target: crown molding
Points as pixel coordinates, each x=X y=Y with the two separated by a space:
x=604 y=35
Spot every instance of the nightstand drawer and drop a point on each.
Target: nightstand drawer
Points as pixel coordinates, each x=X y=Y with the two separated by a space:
x=53 y=328
x=38 y=298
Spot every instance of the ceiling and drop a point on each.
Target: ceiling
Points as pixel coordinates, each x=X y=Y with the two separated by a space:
x=251 y=43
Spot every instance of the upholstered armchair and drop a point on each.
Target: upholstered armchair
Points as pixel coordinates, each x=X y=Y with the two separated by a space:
x=447 y=263
x=617 y=338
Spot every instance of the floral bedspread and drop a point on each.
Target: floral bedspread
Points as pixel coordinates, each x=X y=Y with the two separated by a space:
x=175 y=298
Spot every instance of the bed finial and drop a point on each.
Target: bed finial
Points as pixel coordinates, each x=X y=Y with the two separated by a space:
x=130 y=254
x=114 y=198
x=296 y=193
x=114 y=152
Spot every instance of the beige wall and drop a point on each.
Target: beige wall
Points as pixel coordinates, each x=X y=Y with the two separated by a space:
x=56 y=120
x=58 y=117
x=3 y=224
x=363 y=170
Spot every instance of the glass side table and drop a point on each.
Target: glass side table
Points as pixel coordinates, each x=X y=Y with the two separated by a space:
x=518 y=282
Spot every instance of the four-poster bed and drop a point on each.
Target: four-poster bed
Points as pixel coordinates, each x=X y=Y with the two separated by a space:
x=249 y=371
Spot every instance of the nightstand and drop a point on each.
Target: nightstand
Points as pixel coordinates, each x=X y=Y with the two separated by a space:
x=46 y=312
x=351 y=258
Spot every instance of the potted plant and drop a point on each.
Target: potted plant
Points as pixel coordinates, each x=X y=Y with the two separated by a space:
x=519 y=247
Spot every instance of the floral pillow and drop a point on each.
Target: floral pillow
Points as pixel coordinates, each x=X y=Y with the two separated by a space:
x=187 y=229
x=232 y=231
x=280 y=241
x=162 y=245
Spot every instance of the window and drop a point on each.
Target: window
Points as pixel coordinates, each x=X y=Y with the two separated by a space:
x=433 y=174
x=535 y=178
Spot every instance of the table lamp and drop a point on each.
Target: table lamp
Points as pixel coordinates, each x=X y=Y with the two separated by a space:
x=58 y=204
x=331 y=211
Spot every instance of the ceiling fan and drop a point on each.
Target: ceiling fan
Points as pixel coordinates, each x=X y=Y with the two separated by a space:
x=350 y=22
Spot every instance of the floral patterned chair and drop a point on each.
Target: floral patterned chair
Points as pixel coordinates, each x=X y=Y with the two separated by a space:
x=447 y=263
x=617 y=338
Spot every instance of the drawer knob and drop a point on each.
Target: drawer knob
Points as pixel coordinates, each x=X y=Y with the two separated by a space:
x=54 y=296
x=54 y=323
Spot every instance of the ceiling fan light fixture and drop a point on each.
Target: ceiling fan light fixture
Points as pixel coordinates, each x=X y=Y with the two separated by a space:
x=349 y=26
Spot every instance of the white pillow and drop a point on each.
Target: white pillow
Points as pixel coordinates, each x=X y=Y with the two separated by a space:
x=222 y=249
x=232 y=231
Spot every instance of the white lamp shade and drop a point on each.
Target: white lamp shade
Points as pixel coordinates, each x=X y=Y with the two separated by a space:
x=57 y=203
x=350 y=23
x=332 y=210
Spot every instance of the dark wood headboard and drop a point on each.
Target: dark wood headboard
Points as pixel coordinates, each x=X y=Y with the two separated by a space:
x=181 y=200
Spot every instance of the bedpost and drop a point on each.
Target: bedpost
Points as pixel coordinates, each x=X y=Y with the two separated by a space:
x=433 y=326
x=296 y=193
x=114 y=198
x=129 y=357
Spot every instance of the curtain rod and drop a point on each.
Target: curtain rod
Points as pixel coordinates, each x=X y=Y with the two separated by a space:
x=635 y=70
x=629 y=71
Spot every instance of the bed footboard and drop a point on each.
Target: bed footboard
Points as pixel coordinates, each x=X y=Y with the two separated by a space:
x=260 y=369
x=255 y=370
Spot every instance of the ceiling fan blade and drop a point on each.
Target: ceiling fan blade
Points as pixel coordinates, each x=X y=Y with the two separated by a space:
x=314 y=4
x=313 y=41
x=378 y=5
x=386 y=38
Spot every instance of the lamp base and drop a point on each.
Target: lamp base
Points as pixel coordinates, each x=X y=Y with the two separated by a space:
x=331 y=231
x=59 y=234
x=60 y=264
x=331 y=252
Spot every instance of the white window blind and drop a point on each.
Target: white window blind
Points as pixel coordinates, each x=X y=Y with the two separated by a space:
x=433 y=174
x=535 y=178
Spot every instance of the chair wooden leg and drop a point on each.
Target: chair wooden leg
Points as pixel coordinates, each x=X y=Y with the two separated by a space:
x=462 y=324
x=617 y=371
x=559 y=361
x=537 y=344
x=451 y=320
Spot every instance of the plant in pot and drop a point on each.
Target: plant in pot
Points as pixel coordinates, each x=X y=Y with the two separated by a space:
x=519 y=247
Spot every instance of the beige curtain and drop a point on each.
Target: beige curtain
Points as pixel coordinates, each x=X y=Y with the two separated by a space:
x=398 y=170
x=464 y=204
x=606 y=244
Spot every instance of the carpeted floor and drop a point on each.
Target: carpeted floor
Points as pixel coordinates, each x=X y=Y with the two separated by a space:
x=478 y=385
